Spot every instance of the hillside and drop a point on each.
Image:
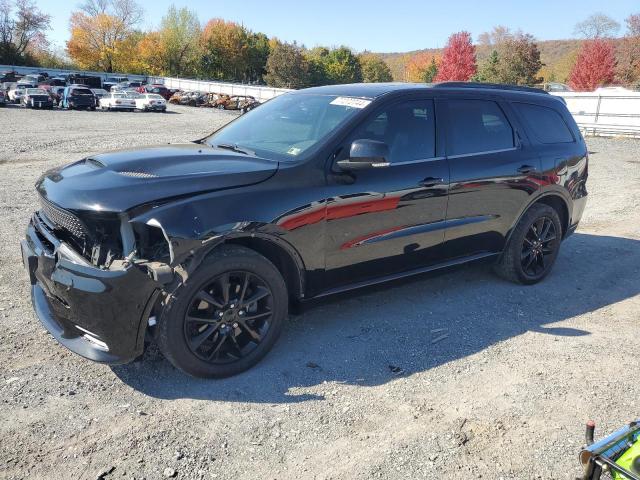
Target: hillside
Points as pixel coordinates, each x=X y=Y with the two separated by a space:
x=556 y=55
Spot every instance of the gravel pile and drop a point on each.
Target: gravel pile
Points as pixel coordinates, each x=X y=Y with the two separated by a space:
x=454 y=375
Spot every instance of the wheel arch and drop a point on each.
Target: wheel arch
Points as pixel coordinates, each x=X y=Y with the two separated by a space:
x=285 y=258
x=553 y=199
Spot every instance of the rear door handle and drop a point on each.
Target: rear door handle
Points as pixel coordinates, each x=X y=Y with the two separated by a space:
x=431 y=182
x=526 y=169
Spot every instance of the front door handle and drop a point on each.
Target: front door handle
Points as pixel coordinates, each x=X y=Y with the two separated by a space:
x=526 y=169
x=431 y=182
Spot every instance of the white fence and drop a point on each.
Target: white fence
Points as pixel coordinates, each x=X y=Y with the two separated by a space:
x=261 y=93
x=608 y=114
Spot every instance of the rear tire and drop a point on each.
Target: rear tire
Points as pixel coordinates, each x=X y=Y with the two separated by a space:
x=209 y=334
x=533 y=246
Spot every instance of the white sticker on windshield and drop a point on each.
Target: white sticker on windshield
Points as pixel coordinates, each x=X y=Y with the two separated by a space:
x=351 y=102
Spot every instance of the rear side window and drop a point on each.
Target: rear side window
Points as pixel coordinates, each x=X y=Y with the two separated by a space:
x=546 y=124
x=476 y=126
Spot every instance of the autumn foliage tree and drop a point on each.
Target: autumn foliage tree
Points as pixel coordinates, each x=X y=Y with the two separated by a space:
x=374 y=69
x=22 y=27
x=287 y=66
x=103 y=35
x=628 y=52
x=422 y=67
x=458 y=59
x=595 y=65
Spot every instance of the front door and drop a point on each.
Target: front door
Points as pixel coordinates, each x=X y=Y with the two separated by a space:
x=391 y=219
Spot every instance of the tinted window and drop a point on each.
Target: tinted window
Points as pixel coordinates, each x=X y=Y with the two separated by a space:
x=477 y=126
x=408 y=128
x=546 y=124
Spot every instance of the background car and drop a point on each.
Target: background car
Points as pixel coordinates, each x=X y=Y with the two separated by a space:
x=37 y=98
x=117 y=101
x=16 y=92
x=77 y=97
x=3 y=99
x=98 y=93
x=151 y=101
x=159 y=89
x=175 y=97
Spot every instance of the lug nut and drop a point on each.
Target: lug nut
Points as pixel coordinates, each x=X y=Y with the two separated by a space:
x=241 y=313
x=233 y=305
x=235 y=325
x=221 y=314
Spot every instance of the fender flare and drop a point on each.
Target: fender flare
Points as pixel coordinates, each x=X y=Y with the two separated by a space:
x=536 y=199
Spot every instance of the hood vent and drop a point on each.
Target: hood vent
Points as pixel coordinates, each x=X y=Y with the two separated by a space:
x=95 y=163
x=138 y=174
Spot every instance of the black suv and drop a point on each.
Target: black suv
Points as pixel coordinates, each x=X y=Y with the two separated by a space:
x=203 y=246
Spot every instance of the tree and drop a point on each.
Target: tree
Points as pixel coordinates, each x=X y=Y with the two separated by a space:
x=628 y=69
x=287 y=66
x=258 y=54
x=225 y=49
x=595 y=65
x=342 y=66
x=519 y=60
x=488 y=70
x=514 y=59
x=458 y=59
x=103 y=34
x=179 y=37
x=21 y=25
x=374 y=69
x=421 y=67
x=331 y=66
x=597 y=25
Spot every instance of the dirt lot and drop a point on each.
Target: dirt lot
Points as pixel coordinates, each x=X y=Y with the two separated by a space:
x=360 y=386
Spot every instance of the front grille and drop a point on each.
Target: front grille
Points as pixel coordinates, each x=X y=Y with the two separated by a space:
x=63 y=219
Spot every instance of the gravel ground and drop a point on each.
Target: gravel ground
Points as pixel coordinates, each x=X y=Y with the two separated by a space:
x=455 y=375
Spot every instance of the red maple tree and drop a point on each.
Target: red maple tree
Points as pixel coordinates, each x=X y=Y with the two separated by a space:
x=595 y=65
x=458 y=59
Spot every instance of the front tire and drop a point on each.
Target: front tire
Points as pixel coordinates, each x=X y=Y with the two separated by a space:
x=533 y=247
x=226 y=316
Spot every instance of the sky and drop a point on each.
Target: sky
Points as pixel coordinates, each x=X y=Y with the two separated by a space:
x=379 y=26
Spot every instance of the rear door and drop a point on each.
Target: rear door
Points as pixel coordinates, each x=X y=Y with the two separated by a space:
x=494 y=172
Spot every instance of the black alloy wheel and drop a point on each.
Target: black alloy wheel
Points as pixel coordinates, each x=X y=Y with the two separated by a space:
x=538 y=244
x=226 y=316
x=229 y=317
x=533 y=246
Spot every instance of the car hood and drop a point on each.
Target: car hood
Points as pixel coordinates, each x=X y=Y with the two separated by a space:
x=120 y=180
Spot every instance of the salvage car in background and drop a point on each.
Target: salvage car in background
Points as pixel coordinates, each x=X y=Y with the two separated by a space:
x=117 y=101
x=37 y=98
x=16 y=92
x=77 y=97
x=235 y=102
x=151 y=101
x=98 y=93
x=156 y=88
x=3 y=99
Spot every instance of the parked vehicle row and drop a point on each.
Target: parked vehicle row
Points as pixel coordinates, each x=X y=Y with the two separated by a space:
x=80 y=97
x=222 y=101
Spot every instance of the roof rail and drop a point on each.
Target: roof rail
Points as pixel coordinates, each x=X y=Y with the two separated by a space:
x=494 y=86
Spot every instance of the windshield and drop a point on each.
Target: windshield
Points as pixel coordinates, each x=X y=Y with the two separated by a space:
x=289 y=125
x=153 y=96
x=35 y=91
x=81 y=91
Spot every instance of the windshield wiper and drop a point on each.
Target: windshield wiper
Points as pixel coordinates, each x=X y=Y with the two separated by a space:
x=236 y=148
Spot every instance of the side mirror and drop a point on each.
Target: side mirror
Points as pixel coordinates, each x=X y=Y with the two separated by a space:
x=366 y=154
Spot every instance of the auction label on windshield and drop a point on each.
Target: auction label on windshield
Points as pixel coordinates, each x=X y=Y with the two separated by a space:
x=351 y=102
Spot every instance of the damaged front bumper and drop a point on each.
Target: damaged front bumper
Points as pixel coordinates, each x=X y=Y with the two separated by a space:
x=100 y=314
